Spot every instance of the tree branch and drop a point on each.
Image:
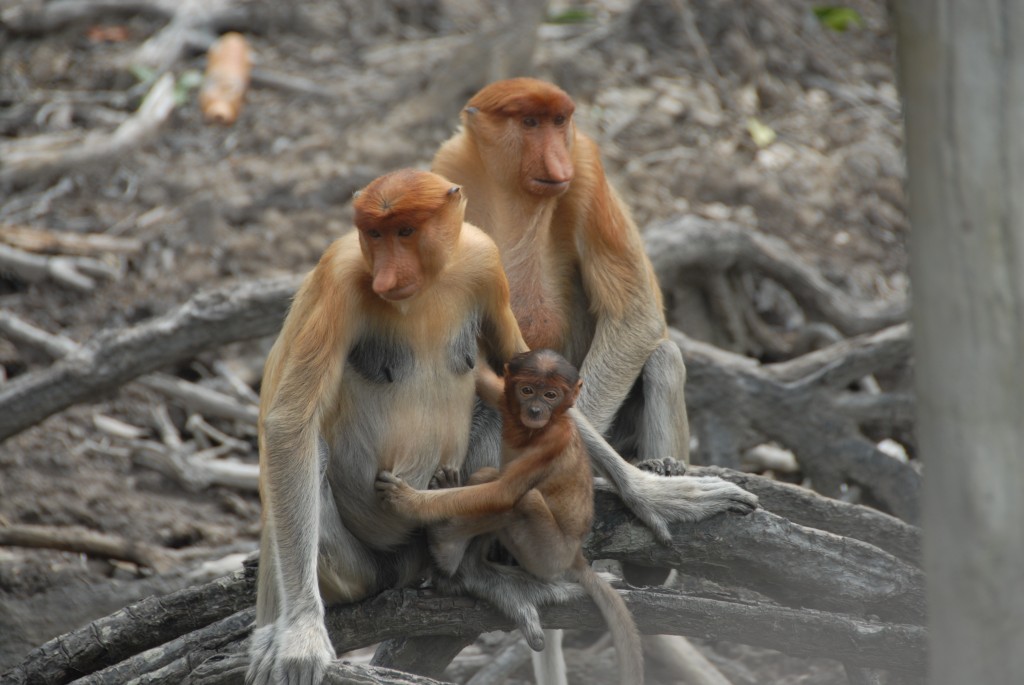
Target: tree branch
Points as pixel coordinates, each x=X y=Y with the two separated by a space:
x=691 y=243
x=207 y=320
x=736 y=403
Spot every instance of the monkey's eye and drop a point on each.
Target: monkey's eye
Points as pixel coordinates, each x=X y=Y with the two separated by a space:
x=373 y=233
x=559 y=120
x=530 y=122
x=526 y=391
x=406 y=231
x=551 y=395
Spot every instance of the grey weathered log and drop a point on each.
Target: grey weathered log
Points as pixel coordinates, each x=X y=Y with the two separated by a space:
x=807 y=508
x=694 y=244
x=792 y=564
x=230 y=670
x=427 y=655
x=207 y=320
x=138 y=627
x=801 y=632
x=736 y=403
x=195 y=397
x=174 y=660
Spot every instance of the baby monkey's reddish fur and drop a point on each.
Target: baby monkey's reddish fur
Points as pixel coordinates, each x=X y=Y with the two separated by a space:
x=540 y=504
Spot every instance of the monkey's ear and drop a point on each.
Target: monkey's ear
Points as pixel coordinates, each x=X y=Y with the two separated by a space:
x=471 y=110
x=504 y=371
x=576 y=391
x=454 y=190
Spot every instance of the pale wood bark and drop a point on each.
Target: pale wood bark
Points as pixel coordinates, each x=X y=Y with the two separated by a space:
x=963 y=84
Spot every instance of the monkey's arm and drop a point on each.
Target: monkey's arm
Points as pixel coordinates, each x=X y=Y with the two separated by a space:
x=624 y=298
x=489 y=385
x=302 y=376
x=486 y=499
x=501 y=333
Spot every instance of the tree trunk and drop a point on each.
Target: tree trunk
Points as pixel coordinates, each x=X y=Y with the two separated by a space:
x=962 y=67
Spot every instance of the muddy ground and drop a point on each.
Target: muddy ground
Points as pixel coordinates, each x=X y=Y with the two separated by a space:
x=755 y=112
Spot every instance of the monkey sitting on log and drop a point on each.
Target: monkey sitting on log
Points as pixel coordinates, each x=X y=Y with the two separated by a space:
x=539 y=505
x=373 y=370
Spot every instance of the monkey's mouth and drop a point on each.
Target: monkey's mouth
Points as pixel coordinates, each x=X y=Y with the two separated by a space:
x=534 y=422
x=402 y=293
x=547 y=186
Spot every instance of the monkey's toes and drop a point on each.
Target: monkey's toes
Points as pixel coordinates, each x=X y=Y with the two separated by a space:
x=534 y=638
x=744 y=503
x=663 y=467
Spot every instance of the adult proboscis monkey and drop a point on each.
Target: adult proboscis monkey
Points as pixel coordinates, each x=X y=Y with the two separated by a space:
x=373 y=370
x=582 y=285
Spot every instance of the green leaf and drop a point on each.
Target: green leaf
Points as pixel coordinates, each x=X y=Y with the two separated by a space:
x=142 y=73
x=573 y=15
x=838 y=18
x=186 y=83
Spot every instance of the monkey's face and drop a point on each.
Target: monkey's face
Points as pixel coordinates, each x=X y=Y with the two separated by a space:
x=537 y=402
x=546 y=168
x=394 y=260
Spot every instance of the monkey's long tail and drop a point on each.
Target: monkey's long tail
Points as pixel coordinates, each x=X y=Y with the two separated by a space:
x=625 y=635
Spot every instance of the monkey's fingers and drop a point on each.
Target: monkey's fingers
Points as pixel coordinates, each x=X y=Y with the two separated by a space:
x=388 y=486
x=445 y=477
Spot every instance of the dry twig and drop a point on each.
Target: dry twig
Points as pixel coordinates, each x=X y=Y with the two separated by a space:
x=82 y=541
x=26 y=160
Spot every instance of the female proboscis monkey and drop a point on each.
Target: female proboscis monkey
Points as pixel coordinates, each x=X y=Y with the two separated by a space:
x=373 y=370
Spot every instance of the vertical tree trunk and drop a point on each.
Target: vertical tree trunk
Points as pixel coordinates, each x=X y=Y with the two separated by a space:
x=962 y=75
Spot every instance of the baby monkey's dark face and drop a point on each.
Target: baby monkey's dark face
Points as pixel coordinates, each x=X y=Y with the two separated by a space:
x=538 y=400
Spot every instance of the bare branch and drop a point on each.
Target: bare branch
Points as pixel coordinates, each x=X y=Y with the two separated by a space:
x=736 y=403
x=24 y=161
x=73 y=272
x=50 y=242
x=112 y=358
x=81 y=540
x=693 y=244
x=806 y=508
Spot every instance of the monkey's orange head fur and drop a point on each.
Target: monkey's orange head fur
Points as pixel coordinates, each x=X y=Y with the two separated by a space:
x=409 y=222
x=517 y=97
x=524 y=128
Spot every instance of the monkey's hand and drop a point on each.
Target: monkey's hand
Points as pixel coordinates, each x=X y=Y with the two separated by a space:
x=395 y=492
x=295 y=652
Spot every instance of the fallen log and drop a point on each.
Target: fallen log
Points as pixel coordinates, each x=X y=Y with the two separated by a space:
x=845 y=599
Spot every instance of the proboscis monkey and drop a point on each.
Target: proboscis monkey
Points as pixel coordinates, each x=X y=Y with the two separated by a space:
x=541 y=502
x=582 y=285
x=373 y=370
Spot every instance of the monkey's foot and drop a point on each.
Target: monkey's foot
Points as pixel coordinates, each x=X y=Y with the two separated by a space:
x=659 y=500
x=445 y=477
x=289 y=653
x=663 y=467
